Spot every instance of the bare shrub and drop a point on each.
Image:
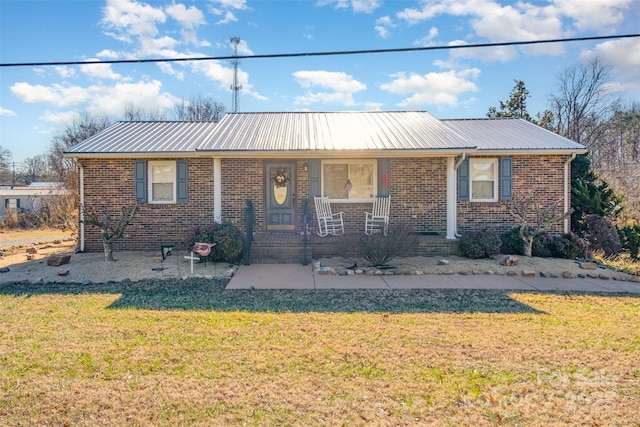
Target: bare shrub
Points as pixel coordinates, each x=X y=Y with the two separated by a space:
x=379 y=248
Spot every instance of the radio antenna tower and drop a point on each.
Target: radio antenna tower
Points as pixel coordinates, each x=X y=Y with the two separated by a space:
x=235 y=87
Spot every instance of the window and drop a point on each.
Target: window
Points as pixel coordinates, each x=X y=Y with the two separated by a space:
x=483 y=179
x=349 y=179
x=162 y=182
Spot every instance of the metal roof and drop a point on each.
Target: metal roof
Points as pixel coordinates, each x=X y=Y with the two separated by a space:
x=332 y=131
x=508 y=134
x=146 y=137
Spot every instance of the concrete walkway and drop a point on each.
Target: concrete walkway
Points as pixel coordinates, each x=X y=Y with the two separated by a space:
x=295 y=276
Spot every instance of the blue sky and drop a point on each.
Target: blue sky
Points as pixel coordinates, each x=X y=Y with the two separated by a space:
x=37 y=102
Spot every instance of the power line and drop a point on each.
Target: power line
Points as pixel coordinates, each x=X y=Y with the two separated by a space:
x=329 y=53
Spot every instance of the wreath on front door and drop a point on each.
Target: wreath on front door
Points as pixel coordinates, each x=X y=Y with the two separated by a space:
x=280 y=178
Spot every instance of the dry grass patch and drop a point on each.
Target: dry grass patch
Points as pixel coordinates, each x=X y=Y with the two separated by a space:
x=78 y=356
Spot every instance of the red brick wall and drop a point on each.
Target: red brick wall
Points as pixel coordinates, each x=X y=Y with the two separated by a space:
x=110 y=183
x=418 y=198
x=540 y=178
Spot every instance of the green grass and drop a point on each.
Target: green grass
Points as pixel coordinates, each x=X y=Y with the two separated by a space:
x=191 y=353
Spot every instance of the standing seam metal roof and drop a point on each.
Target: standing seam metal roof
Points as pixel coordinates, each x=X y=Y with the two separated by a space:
x=510 y=134
x=330 y=131
x=146 y=137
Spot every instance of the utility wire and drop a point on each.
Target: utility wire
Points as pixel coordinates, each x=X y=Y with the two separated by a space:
x=330 y=53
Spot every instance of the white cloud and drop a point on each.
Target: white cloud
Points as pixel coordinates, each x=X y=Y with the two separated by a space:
x=428 y=39
x=442 y=88
x=6 y=112
x=383 y=24
x=189 y=18
x=358 y=6
x=108 y=54
x=340 y=87
x=56 y=94
x=228 y=18
x=365 y=6
x=96 y=99
x=112 y=100
x=60 y=117
x=594 y=15
x=101 y=71
x=64 y=71
x=132 y=18
x=624 y=57
x=524 y=20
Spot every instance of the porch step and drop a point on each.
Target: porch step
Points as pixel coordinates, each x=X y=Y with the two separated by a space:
x=278 y=248
x=287 y=248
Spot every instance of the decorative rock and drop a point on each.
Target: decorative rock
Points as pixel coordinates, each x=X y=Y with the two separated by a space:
x=528 y=273
x=350 y=272
x=603 y=277
x=418 y=272
x=4 y=270
x=592 y=275
x=581 y=275
x=29 y=257
x=443 y=262
x=63 y=272
x=342 y=272
x=588 y=265
x=359 y=271
x=32 y=251
x=548 y=275
x=568 y=275
x=24 y=281
x=510 y=260
x=378 y=273
x=463 y=273
x=511 y=273
x=229 y=273
x=58 y=259
x=489 y=272
x=427 y=272
x=634 y=279
x=157 y=259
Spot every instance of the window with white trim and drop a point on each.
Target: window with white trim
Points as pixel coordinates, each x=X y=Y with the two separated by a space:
x=349 y=179
x=483 y=174
x=162 y=181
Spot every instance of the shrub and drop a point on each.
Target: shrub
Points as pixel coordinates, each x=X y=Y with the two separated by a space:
x=630 y=239
x=228 y=239
x=570 y=246
x=30 y=220
x=512 y=244
x=602 y=235
x=480 y=244
x=378 y=248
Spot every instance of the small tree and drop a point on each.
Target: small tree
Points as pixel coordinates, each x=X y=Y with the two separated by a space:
x=545 y=218
x=108 y=233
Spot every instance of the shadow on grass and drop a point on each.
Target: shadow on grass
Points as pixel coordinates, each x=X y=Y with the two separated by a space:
x=199 y=294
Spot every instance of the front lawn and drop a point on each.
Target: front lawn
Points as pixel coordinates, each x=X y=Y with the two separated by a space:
x=191 y=353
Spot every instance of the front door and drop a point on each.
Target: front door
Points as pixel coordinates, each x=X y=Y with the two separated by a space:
x=280 y=185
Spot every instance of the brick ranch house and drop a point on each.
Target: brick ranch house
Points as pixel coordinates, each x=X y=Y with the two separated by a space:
x=444 y=177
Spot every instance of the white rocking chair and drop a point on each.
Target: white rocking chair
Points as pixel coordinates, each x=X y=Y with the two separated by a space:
x=328 y=223
x=378 y=220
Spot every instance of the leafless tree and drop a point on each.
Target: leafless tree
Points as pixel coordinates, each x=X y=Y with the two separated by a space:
x=584 y=101
x=109 y=234
x=34 y=169
x=524 y=209
x=133 y=113
x=5 y=165
x=199 y=108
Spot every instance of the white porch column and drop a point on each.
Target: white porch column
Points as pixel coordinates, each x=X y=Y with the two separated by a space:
x=451 y=198
x=81 y=207
x=217 y=190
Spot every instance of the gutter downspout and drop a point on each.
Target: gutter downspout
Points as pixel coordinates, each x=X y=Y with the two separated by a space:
x=452 y=196
x=567 y=192
x=217 y=190
x=81 y=207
